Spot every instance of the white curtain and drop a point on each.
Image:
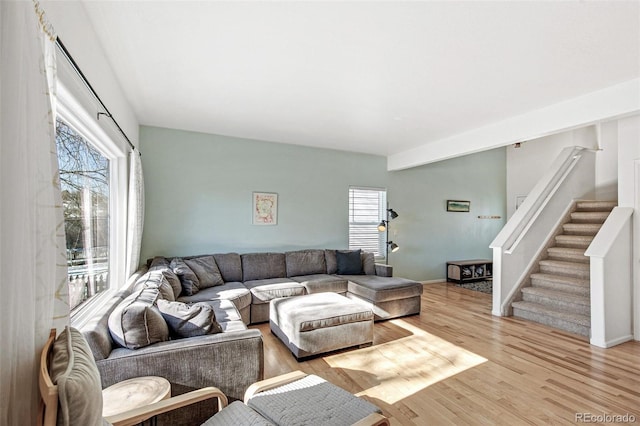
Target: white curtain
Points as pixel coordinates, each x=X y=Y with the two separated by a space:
x=135 y=214
x=33 y=283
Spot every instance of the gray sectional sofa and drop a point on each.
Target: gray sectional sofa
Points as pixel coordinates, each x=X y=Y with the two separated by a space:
x=129 y=336
x=252 y=280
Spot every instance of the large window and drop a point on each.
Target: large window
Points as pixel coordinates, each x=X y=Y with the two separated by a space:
x=367 y=207
x=84 y=181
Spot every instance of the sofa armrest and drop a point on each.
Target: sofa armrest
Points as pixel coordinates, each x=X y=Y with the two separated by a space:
x=384 y=270
x=229 y=361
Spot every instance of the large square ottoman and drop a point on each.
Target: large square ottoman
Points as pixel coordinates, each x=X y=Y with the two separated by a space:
x=322 y=322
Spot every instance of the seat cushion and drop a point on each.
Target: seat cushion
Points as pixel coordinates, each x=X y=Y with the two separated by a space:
x=320 y=283
x=236 y=414
x=263 y=291
x=234 y=291
x=378 y=289
x=311 y=401
x=74 y=371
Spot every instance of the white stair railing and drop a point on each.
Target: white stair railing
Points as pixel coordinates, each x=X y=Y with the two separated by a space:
x=520 y=242
x=612 y=280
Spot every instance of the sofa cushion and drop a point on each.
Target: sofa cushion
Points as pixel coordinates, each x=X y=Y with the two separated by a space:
x=305 y=262
x=262 y=291
x=320 y=283
x=230 y=266
x=185 y=320
x=156 y=279
x=380 y=289
x=261 y=266
x=206 y=270
x=136 y=322
x=74 y=371
x=162 y=264
x=368 y=263
x=188 y=278
x=233 y=291
x=225 y=311
x=330 y=260
x=349 y=262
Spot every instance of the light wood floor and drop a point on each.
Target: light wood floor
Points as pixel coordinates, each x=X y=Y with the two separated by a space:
x=457 y=364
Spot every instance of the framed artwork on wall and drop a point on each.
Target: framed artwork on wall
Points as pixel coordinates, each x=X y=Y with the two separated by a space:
x=458 y=206
x=265 y=208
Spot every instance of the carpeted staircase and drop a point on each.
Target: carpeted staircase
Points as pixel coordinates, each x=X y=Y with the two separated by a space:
x=558 y=295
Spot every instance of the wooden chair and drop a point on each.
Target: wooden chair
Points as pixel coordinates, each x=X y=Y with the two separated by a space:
x=373 y=419
x=48 y=410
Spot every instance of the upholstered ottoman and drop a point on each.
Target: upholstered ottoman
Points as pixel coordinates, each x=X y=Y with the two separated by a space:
x=322 y=322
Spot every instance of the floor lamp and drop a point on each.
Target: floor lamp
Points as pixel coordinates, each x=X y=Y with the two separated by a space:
x=384 y=226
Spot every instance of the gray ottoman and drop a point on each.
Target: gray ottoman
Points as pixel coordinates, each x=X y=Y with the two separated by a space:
x=321 y=322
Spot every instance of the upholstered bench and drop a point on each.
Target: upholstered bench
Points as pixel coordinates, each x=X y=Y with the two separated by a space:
x=322 y=322
x=391 y=297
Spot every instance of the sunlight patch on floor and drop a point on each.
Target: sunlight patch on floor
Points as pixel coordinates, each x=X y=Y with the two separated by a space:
x=405 y=366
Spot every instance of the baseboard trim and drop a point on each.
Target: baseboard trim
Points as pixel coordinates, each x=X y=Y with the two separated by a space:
x=611 y=343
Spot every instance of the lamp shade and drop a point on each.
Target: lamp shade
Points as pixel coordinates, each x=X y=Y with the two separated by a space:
x=382 y=227
x=392 y=214
x=393 y=246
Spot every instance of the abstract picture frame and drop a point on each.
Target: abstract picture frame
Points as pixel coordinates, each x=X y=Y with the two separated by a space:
x=265 y=208
x=459 y=206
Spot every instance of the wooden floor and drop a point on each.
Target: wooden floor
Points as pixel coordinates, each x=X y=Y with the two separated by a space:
x=457 y=364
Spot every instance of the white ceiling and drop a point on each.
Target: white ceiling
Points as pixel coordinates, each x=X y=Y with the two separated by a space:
x=373 y=77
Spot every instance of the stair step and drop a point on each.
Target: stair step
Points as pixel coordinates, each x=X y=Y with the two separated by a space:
x=589 y=217
x=558 y=300
x=571 y=269
x=572 y=228
x=567 y=253
x=581 y=241
x=562 y=283
x=571 y=322
x=596 y=205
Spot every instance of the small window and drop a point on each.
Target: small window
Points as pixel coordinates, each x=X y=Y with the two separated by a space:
x=84 y=182
x=367 y=207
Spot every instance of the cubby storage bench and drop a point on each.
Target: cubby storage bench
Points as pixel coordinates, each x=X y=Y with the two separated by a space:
x=461 y=271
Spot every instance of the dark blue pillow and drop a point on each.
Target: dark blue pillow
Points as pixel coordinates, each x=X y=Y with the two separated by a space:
x=349 y=262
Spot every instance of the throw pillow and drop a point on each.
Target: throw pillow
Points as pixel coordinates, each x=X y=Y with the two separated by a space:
x=206 y=270
x=189 y=320
x=188 y=278
x=136 y=322
x=74 y=371
x=368 y=263
x=349 y=262
x=160 y=263
x=156 y=279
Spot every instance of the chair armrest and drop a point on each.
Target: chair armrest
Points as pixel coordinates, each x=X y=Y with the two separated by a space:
x=274 y=382
x=384 y=270
x=139 y=415
x=373 y=419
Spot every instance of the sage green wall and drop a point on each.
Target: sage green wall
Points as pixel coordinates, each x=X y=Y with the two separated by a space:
x=198 y=193
x=427 y=234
